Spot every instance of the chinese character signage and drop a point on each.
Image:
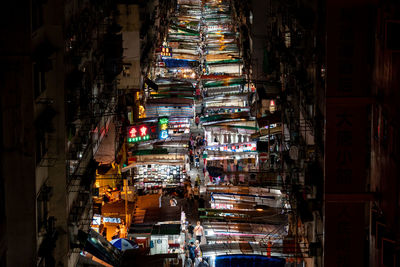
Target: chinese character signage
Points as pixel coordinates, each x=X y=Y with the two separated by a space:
x=166 y=51
x=138 y=133
x=163 y=128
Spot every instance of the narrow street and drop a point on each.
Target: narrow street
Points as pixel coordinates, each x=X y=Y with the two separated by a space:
x=192 y=133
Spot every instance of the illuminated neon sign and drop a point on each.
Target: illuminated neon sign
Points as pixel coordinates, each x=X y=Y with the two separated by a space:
x=138 y=133
x=166 y=51
x=163 y=128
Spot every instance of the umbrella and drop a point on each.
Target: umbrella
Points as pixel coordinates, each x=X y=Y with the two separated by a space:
x=124 y=244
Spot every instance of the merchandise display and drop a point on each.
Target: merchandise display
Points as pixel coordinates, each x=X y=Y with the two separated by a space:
x=156 y=176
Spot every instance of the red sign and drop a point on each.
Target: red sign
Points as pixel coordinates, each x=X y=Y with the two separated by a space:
x=143 y=130
x=132 y=132
x=138 y=133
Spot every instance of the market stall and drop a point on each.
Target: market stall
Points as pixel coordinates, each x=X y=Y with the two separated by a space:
x=152 y=177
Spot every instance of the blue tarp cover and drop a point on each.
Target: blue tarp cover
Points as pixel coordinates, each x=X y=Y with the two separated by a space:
x=248 y=261
x=179 y=63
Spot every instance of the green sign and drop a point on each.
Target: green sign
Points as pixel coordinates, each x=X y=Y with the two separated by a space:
x=163 y=121
x=138 y=138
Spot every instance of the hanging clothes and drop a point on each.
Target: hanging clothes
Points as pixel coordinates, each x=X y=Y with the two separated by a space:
x=225 y=165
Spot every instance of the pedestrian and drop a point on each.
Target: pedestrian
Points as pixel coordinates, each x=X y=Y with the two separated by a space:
x=197 y=121
x=198 y=139
x=190 y=230
x=197 y=250
x=198 y=231
x=205 y=155
x=196 y=192
x=197 y=160
x=192 y=254
x=123 y=230
x=189 y=191
x=203 y=263
x=192 y=142
x=188 y=260
x=116 y=233
x=198 y=181
x=104 y=232
x=197 y=261
x=173 y=202
x=191 y=156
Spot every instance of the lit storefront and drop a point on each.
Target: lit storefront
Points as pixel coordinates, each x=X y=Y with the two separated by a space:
x=152 y=177
x=178 y=126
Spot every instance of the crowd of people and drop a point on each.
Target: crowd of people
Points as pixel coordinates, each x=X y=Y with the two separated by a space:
x=193 y=254
x=195 y=149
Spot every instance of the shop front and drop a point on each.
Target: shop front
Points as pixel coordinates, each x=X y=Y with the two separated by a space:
x=159 y=228
x=166 y=238
x=230 y=167
x=153 y=177
x=151 y=174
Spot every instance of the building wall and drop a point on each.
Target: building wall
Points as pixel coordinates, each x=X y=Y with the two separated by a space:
x=18 y=133
x=35 y=218
x=128 y=19
x=385 y=139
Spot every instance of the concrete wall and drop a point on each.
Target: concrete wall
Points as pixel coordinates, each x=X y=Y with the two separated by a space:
x=130 y=23
x=18 y=150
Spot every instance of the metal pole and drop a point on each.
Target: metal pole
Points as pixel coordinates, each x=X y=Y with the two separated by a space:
x=126 y=202
x=269 y=150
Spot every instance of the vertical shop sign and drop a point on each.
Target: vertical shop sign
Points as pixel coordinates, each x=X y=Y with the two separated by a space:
x=163 y=128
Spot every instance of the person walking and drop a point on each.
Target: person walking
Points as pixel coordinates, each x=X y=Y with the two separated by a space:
x=197 y=121
x=197 y=250
x=191 y=156
x=198 y=231
x=198 y=180
x=192 y=254
x=197 y=160
x=116 y=233
x=202 y=263
x=190 y=230
x=196 y=192
x=188 y=260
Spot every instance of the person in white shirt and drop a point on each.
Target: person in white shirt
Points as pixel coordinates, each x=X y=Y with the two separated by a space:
x=198 y=231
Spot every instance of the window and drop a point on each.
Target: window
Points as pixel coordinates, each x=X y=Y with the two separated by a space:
x=39 y=80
